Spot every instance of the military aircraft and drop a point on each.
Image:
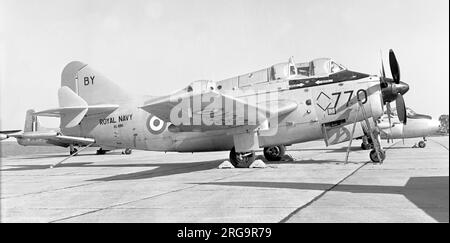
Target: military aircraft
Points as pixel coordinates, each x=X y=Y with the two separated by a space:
x=278 y=106
x=418 y=126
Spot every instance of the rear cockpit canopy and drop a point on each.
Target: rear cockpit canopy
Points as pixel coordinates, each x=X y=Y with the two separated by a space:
x=316 y=67
x=319 y=67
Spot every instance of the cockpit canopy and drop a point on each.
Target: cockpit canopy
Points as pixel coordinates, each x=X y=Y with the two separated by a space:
x=316 y=67
x=319 y=67
x=287 y=70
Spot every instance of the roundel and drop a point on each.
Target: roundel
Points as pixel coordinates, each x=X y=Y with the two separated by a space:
x=155 y=125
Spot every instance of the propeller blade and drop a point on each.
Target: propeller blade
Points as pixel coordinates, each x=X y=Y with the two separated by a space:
x=401 y=108
x=395 y=68
x=382 y=73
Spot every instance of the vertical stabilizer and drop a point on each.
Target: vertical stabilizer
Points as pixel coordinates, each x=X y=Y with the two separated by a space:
x=92 y=86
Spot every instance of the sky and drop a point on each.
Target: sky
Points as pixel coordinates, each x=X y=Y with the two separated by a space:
x=155 y=47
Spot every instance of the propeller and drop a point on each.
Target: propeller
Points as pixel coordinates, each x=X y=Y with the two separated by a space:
x=395 y=68
x=401 y=108
x=393 y=89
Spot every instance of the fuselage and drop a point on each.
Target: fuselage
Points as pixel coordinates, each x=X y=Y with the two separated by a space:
x=415 y=127
x=321 y=101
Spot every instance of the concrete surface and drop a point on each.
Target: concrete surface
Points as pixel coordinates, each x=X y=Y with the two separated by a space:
x=411 y=186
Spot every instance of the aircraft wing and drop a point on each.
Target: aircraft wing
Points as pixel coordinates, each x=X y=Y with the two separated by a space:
x=218 y=110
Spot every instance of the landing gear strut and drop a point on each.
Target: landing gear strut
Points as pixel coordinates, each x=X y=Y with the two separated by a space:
x=241 y=160
x=274 y=153
x=377 y=155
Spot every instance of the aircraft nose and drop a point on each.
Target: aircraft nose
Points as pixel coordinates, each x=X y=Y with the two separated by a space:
x=402 y=87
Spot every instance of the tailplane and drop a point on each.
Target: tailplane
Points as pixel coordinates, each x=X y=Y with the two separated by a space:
x=72 y=108
x=91 y=86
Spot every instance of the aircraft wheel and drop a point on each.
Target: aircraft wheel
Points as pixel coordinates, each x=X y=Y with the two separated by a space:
x=365 y=146
x=374 y=158
x=101 y=151
x=422 y=144
x=73 y=151
x=241 y=160
x=128 y=151
x=274 y=153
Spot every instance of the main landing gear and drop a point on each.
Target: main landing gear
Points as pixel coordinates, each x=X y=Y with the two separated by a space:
x=274 y=153
x=127 y=151
x=72 y=150
x=377 y=154
x=366 y=143
x=241 y=160
x=101 y=151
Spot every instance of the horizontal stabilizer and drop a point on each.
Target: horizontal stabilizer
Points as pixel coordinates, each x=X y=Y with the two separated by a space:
x=73 y=108
x=53 y=137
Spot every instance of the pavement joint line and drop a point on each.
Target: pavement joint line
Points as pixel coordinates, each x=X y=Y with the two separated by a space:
x=87 y=184
x=145 y=198
x=75 y=186
x=285 y=219
x=438 y=143
x=52 y=190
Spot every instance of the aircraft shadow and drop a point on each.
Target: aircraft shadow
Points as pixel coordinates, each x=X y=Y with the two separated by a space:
x=288 y=160
x=328 y=150
x=430 y=194
x=164 y=169
x=158 y=169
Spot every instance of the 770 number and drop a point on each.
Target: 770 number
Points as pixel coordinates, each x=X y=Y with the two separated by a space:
x=361 y=94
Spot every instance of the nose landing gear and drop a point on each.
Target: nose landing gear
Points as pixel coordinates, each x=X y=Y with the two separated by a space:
x=241 y=160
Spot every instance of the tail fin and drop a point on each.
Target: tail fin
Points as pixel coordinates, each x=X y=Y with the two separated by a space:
x=31 y=122
x=90 y=85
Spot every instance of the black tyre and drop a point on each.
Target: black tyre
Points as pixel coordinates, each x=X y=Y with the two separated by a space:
x=365 y=146
x=422 y=144
x=128 y=151
x=101 y=151
x=73 y=151
x=374 y=158
x=241 y=160
x=274 y=153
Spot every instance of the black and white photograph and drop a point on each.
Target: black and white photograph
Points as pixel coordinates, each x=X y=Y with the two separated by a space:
x=224 y=111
